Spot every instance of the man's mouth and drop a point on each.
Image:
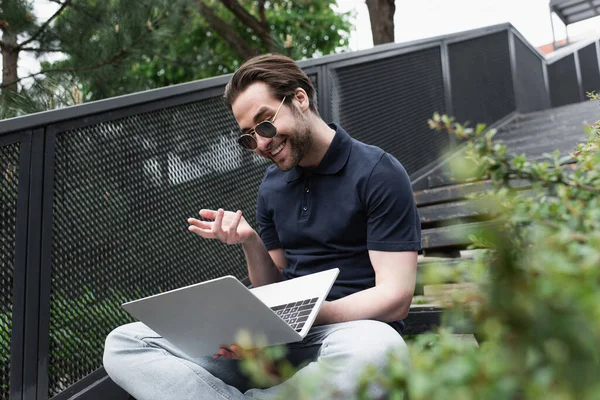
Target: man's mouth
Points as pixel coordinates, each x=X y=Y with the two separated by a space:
x=278 y=149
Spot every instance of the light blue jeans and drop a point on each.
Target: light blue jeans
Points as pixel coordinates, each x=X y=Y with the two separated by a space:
x=149 y=367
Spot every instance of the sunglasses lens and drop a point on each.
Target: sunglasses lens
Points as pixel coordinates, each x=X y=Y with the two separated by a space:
x=266 y=129
x=247 y=142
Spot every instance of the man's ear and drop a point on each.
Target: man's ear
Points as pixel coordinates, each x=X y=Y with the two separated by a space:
x=302 y=98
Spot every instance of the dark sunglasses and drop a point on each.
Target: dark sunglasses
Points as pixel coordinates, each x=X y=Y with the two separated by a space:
x=265 y=129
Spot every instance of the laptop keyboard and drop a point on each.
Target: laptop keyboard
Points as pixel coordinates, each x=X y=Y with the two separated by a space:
x=296 y=313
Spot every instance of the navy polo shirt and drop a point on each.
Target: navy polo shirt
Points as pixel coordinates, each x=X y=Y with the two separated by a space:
x=359 y=198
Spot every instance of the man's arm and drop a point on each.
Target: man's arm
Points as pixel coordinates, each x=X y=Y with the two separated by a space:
x=264 y=267
x=388 y=301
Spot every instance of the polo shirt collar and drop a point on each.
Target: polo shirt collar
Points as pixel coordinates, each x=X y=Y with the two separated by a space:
x=334 y=160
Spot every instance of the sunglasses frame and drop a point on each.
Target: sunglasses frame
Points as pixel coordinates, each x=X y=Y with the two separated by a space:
x=252 y=133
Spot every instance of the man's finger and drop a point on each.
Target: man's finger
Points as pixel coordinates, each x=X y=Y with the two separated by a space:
x=204 y=233
x=237 y=351
x=208 y=214
x=232 y=231
x=217 y=226
x=226 y=353
x=242 y=353
x=199 y=224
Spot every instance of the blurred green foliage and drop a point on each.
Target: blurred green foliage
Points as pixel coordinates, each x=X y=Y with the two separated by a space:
x=536 y=313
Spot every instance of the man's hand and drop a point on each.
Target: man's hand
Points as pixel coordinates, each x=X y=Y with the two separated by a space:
x=226 y=226
x=235 y=352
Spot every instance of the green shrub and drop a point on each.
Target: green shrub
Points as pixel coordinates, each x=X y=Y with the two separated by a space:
x=536 y=313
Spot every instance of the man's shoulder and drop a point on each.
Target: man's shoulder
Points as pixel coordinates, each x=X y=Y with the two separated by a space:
x=364 y=157
x=370 y=160
x=273 y=176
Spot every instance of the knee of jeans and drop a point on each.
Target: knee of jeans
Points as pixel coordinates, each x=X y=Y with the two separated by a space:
x=117 y=343
x=374 y=341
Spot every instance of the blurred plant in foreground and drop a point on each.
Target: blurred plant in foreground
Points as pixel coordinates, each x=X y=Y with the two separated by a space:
x=536 y=312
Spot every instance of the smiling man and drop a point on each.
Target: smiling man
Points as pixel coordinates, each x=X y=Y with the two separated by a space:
x=329 y=201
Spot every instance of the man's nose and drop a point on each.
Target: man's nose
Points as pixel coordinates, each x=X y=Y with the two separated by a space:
x=263 y=143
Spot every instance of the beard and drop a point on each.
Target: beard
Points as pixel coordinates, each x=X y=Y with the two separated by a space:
x=300 y=142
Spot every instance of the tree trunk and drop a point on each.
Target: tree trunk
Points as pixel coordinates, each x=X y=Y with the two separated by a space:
x=381 y=14
x=10 y=57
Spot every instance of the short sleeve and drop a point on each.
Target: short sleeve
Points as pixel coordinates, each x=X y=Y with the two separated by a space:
x=266 y=226
x=393 y=220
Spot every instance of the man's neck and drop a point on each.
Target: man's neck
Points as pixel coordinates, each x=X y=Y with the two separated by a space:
x=322 y=136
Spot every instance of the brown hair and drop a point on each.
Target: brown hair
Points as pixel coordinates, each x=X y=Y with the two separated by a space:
x=279 y=72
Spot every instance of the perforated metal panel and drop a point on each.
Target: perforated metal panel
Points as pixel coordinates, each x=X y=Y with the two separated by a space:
x=481 y=77
x=387 y=103
x=590 y=70
x=530 y=84
x=9 y=182
x=123 y=192
x=564 y=87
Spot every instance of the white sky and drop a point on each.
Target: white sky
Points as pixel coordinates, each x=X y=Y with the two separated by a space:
x=416 y=19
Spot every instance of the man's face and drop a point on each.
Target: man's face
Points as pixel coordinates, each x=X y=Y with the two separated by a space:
x=293 y=139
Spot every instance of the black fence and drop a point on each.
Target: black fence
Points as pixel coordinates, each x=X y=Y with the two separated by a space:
x=574 y=73
x=94 y=198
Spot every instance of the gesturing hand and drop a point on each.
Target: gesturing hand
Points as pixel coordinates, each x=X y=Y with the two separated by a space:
x=226 y=226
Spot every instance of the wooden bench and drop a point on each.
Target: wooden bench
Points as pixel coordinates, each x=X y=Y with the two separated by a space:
x=448 y=217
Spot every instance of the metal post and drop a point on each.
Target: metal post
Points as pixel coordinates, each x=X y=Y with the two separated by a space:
x=17 y=345
x=579 y=78
x=324 y=93
x=32 y=289
x=446 y=77
x=45 y=273
x=598 y=54
x=547 y=84
x=513 y=69
x=553 y=32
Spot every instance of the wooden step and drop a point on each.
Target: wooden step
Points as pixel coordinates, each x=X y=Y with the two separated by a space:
x=453 y=236
x=456 y=210
x=459 y=192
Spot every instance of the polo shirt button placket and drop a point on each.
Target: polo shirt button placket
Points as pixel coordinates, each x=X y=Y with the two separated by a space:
x=304 y=213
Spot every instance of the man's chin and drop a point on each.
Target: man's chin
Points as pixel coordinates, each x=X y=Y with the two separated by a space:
x=284 y=165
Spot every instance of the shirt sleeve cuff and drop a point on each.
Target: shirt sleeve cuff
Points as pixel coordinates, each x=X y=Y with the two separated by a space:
x=394 y=246
x=272 y=245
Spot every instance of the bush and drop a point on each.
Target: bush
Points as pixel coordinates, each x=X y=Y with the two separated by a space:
x=536 y=312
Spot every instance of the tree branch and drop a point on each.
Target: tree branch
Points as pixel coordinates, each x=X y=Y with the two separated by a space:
x=238 y=43
x=117 y=57
x=41 y=50
x=248 y=19
x=42 y=28
x=261 y=13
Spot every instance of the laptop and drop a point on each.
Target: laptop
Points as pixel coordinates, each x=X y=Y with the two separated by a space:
x=200 y=318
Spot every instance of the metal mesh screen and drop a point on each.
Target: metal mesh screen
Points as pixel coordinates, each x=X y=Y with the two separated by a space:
x=387 y=103
x=590 y=70
x=562 y=77
x=123 y=192
x=9 y=182
x=530 y=85
x=482 y=82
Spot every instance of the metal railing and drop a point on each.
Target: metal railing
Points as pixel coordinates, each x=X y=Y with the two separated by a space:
x=94 y=198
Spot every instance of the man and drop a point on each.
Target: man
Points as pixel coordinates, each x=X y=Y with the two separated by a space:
x=329 y=201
